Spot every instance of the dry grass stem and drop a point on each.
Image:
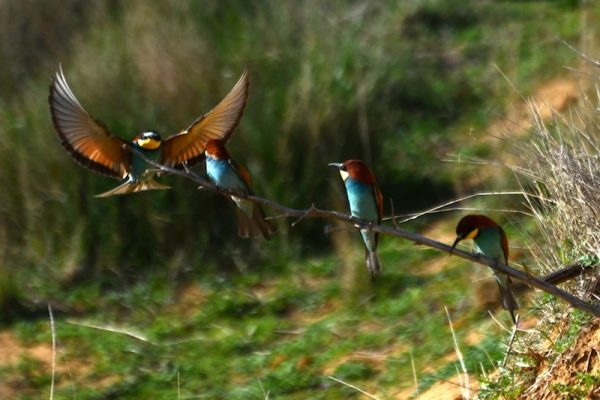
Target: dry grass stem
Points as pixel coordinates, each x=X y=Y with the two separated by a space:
x=53 y=330
x=564 y=166
x=414 y=371
x=443 y=207
x=262 y=388
x=513 y=335
x=463 y=378
x=369 y=395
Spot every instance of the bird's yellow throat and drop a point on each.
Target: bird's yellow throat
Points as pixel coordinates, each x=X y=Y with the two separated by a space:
x=344 y=174
x=148 y=144
x=472 y=234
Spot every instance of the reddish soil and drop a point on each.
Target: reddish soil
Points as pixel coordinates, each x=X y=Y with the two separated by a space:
x=571 y=374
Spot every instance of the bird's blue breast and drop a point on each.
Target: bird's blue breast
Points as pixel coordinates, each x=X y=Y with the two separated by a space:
x=222 y=173
x=362 y=200
x=489 y=243
x=364 y=206
x=139 y=165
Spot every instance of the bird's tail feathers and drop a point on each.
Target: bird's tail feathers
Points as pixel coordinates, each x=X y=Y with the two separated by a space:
x=133 y=187
x=372 y=263
x=255 y=226
x=508 y=300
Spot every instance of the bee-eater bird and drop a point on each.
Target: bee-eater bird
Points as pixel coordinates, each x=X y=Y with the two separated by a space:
x=366 y=202
x=227 y=173
x=92 y=145
x=491 y=241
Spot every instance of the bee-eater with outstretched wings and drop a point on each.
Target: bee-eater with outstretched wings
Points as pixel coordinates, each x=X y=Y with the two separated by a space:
x=225 y=172
x=366 y=202
x=92 y=145
x=491 y=241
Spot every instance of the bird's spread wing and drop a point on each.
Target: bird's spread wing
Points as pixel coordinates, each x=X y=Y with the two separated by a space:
x=86 y=139
x=219 y=123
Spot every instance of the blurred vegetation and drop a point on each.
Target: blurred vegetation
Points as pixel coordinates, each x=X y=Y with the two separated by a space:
x=227 y=338
x=401 y=84
x=396 y=83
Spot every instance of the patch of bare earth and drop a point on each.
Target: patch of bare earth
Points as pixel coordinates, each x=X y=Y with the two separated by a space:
x=374 y=362
x=455 y=388
x=189 y=300
x=68 y=371
x=441 y=230
x=554 y=96
x=12 y=352
x=574 y=374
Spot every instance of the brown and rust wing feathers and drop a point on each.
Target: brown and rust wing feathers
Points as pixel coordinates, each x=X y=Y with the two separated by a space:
x=219 y=123
x=243 y=173
x=86 y=139
x=254 y=225
x=379 y=200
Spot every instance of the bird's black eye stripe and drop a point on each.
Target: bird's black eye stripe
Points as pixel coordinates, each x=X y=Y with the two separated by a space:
x=343 y=168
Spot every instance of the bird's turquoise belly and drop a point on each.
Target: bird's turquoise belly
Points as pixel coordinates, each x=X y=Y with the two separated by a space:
x=221 y=172
x=362 y=205
x=139 y=166
x=362 y=200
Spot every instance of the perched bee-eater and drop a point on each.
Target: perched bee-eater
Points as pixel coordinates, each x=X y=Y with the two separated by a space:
x=225 y=172
x=491 y=241
x=366 y=202
x=92 y=145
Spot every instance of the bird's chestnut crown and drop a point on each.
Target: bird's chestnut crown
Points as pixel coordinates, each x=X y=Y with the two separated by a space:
x=355 y=169
x=148 y=140
x=468 y=227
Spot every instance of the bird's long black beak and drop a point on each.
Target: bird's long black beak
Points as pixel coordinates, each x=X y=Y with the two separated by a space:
x=337 y=165
x=458 y=239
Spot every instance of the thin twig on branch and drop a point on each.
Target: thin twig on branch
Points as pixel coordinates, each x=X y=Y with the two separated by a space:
x=315 y=212
x=442 y=207
x=579 y=53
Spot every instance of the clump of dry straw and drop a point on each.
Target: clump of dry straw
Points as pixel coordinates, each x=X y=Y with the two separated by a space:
x=563 y=163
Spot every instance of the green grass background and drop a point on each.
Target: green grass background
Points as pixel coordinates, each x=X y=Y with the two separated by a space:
x=401 y=84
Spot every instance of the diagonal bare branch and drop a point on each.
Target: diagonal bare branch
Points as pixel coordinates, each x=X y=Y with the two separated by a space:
x=315 y=212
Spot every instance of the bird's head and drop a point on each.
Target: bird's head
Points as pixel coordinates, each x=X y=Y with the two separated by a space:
x=468 y=227
x=148 y=140
x=215 y=148
x=355 y=169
